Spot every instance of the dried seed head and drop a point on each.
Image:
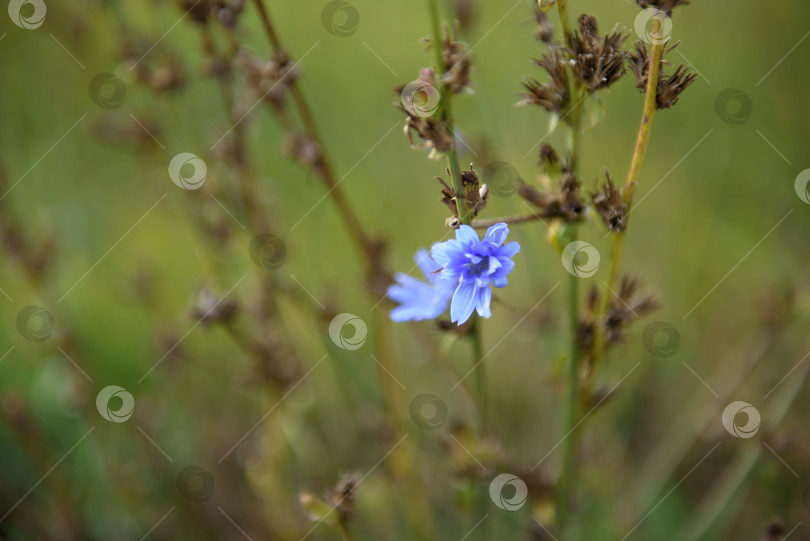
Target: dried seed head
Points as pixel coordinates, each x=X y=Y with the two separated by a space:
x=598 y=62
x=343 y=495
x=610 y=205
x=549 y=159
x=475 y=196
x=544 y=28
x=670 y=87
x=465 y=12
x=457 y=62
x=625 y=308
x=553 y=96
x=663 y=5
x=304 y=150
x=269 y=79
x=228 y=11
x=564 y=204
x=208 y=308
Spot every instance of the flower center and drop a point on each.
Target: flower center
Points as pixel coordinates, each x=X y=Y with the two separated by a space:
x=480 y=267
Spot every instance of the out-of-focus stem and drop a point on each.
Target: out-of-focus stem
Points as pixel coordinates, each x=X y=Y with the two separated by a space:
x=347 y=213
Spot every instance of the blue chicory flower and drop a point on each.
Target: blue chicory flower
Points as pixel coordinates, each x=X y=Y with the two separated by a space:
x=472 y=265
x=421 y=300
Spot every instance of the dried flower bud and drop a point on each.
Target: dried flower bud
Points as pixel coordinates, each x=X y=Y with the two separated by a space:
x=663 y=5
x=598 y=62
x=611 y=206
x=553 y=96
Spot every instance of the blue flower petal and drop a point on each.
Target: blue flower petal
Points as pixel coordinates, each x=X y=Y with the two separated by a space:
x=467 y=235
x=497 y=234
x=464 y=301
x=483 y=302
x=509 y=250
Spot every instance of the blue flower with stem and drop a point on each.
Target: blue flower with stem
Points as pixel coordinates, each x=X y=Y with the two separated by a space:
x=461 y=270
x=473 y=265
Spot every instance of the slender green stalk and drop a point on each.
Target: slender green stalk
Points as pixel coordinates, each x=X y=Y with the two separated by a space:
x=567 y=480
x=639 y=152
x=446 y=116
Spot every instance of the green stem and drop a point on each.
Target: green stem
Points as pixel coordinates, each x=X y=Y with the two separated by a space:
x=567 y=481
x=639 y=152
x=446 y=116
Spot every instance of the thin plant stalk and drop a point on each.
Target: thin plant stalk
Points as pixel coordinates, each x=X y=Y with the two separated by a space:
x=573 y=409
x=567 y=480
x=446 y=112
x=639 y=152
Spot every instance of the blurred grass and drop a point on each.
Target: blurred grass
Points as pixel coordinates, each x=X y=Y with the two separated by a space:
x=715 y=202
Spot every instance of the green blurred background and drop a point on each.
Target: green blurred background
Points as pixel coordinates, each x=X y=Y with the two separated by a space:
x=718 y=218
